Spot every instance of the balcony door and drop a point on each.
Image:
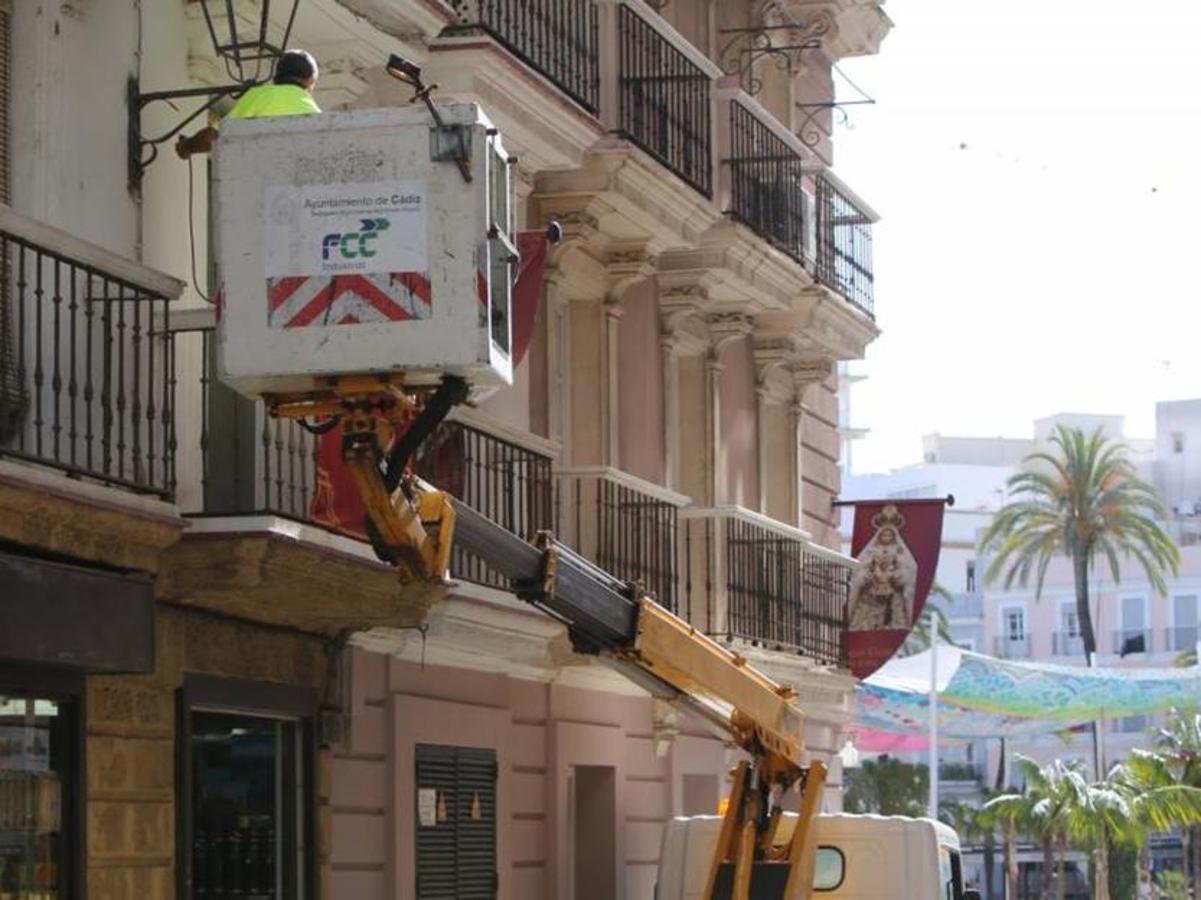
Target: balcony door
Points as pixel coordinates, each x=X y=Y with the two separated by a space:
x=1184 y=622
x=1013 y=631
x=1134 y=626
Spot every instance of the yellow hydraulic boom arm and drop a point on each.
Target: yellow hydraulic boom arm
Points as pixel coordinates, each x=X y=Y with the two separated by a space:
x=412 y=527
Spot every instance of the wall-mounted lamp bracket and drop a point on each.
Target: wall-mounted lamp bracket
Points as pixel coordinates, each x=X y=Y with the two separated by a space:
x=144 y=150
x=744 y=47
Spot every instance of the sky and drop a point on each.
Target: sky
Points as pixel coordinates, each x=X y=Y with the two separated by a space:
x=1037 y=167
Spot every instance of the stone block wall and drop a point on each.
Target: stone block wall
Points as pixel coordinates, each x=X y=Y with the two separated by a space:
x=130 y=745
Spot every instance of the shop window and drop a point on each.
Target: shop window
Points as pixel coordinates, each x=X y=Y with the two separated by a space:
x=456 y=823
x=245 y=790
x=39 y=800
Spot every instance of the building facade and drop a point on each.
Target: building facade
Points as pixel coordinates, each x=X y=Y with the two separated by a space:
x=202 y=692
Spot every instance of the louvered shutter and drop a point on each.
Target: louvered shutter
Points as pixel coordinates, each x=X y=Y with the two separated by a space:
x=456 y=856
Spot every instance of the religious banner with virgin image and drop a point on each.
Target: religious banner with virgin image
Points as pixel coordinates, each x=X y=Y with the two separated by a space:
x=896 y=543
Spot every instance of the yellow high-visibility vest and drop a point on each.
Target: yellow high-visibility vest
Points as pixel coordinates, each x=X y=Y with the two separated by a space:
x=274 y=100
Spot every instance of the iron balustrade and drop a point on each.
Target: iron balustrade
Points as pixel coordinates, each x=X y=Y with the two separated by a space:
x=1127 y=639
x=87 y=368
x=251 y=463
x=1065 y=643
x=1181 y=638
x=844 y=245
x=783 y=594
x=664 y=103
x=1013 y=646
x=254 y=464
x=629 y=533
x=510 y=484
x=558 y=38
x=766 y=181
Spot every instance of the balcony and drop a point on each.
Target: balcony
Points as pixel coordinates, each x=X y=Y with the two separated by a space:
x=1066 y=643
x=627 y=526
x=1012 y=646
x=1127 y=641
x=557 y=38
x=766 y=177
x=1180 y=638
x=254 y=465
x=755 y=579
x=664 y=88
x=87 y=384
x=844 y=242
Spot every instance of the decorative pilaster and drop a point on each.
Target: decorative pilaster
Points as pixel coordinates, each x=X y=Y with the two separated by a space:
x=625 y=266
x=724 y=328
x=806 y=372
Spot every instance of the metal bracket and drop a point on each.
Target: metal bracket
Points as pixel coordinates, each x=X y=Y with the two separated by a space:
x=142 y=151
x=746 y=46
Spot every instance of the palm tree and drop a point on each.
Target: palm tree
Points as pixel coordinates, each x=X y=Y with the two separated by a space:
x=1180 y=746
x=931 y=621
x=887 y=786
x=1157 y=800
x=1083 y=501
x=1037 y=811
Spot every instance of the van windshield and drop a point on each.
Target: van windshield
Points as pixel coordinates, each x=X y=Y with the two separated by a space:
x=950 y=874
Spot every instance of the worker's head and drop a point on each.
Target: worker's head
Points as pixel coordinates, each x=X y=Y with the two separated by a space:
x=296 y=67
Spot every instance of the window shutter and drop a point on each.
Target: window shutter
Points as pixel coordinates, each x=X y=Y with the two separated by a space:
x=456 y=857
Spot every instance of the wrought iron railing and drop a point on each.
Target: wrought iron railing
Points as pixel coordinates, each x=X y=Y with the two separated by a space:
x=785 y=593
x=1013 y=646
x=1066 y=643
x=844 y=245
x=1181 y=638
x=251 y=463
x=510 y=484
x=558 y=38
x=766 y=182
x=87 y=382
x=1132 y=640
x=627 y=531
x=664 y=100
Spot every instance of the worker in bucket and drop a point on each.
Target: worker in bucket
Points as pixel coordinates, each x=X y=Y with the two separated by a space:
x=288 y=94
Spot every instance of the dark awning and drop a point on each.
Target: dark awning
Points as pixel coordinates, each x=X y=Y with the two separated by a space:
x=66 y=615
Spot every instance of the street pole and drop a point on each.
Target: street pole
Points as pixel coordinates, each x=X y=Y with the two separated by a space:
x=933 y=721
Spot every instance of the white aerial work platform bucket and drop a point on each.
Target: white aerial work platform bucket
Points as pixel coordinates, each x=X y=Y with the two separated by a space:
x=350 y=243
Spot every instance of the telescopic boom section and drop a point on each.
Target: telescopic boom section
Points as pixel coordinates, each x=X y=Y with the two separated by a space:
x=411 y=525
x=673 y=661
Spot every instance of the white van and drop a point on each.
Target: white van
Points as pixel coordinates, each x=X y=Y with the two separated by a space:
x=858 y=858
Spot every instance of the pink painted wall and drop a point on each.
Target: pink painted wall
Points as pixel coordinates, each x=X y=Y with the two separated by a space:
x=820 y=476
x=739 y=425
x=640 y=385
x=540 y=732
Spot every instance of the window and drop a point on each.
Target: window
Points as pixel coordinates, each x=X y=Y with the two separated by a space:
x=971 y=575
x=1184 y=621
x=830 y=869
x=1177 y=442
x=244 y=802
x=40 y=806
x=501 y=247
x=1069 y=620
x=1014 y=623
x=456 y=823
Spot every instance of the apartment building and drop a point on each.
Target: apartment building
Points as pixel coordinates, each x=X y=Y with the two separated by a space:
x=1135 y=626
x=202 y=692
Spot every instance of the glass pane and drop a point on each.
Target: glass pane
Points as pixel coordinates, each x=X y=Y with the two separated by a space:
x=1133 y=611
x=1185 y=610
x=828 y=872
x=32 y=749
x=501 y=277
x=244 y=807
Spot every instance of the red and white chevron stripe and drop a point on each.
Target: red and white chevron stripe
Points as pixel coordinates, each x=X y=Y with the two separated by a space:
x=319 y=300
